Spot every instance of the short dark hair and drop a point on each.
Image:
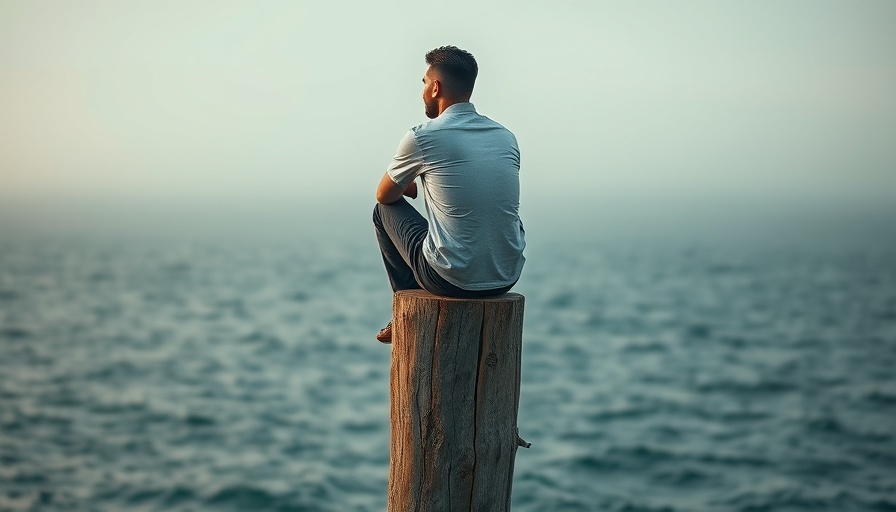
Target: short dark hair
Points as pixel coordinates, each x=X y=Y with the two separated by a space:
x=457 y=65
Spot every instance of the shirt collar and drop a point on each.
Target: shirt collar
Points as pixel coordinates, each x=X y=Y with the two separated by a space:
x=457 y=108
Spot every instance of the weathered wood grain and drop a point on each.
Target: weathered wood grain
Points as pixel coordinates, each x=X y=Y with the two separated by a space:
x=454 y=398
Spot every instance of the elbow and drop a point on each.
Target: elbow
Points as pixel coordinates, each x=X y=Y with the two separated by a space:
x=388 y=191
x=387 y=196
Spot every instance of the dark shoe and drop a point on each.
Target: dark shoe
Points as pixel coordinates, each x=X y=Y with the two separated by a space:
x=385 y=334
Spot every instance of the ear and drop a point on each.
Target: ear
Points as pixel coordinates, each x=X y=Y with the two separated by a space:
x=436 y=88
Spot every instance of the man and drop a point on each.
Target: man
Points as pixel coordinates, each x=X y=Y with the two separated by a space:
x=468 y=165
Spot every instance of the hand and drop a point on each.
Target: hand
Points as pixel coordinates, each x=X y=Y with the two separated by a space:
x=411 y=191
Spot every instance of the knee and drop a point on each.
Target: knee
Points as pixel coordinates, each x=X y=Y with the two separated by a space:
x=390 y=210
x=376 y=214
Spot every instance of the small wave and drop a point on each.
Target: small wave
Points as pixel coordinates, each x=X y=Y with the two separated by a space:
x=746 y=387
x=883 y=505
x=618 y=459
x=816 y=467
x=743 y=416
x=113 y=408
x=560 y=301
x=167 y=497
x=24 y=477
x=596 y=463
x=582 y=436
x=698 y=331
x=358 y=427
x=9 y=295
x=829 y=425
x=178 y=268
x=880 y=397
x=245 y=497
x=666 y=432
x=9 y=459
x=199 y=420
x=733 y=416
x=15 y=333
x=298 y=297
x=30 y=418
x=888 y=312
x=266 y=340
x=235 y=307
x=726 y=268
x=101 y=277
x=177 y=496
x=648 y=347
x=725 y=459
x=793 y=498
x=682 y=477
x=536 y=478
x=825 y=425
x=594 y=319
x=116 y=370
x=640 y=452
x=325 y=277
x=621 y=413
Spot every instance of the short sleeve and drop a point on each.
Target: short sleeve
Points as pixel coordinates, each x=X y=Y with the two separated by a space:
x=407 y=162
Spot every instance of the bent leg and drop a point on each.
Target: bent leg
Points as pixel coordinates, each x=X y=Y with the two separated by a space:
x=400 y=231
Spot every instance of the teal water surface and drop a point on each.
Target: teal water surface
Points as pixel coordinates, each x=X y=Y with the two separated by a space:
x=657 y=376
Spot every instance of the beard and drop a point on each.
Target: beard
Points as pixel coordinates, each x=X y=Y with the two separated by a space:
x=431 y=109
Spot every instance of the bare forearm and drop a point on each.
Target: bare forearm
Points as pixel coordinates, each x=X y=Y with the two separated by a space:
x=388 y=191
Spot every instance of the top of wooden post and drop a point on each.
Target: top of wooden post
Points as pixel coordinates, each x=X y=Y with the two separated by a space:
x=423 y=294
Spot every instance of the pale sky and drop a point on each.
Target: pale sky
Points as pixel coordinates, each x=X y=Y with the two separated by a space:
x=128 y=108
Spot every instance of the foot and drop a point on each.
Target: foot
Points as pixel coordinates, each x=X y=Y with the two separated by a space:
x=385 y=334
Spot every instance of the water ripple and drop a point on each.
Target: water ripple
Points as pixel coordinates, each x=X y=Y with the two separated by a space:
x=194 y=376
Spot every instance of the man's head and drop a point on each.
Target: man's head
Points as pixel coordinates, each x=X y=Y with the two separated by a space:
x=449 y=78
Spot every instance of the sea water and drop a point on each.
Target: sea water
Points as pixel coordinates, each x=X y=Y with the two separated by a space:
x=658 y=375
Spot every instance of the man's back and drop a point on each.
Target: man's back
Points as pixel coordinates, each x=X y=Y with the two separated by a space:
x=470 y=177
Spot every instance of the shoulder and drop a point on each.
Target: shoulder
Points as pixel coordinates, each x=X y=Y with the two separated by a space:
x=428 y=127
x=499 y=130
x=488 y=120
x=408 y=147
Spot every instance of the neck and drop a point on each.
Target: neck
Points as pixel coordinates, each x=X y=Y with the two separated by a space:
x=444 y=103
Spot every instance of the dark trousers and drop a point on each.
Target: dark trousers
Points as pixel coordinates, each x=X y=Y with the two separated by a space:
x=400 y=231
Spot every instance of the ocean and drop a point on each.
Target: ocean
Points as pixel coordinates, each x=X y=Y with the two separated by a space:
x=659 y=374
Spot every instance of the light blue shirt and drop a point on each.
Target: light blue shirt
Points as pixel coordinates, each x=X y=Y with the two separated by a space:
x=469 y=167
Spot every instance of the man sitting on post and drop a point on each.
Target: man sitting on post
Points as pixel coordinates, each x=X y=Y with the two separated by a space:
x=468 y=165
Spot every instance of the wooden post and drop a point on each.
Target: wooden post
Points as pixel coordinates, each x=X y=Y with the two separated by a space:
x=455 y=387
